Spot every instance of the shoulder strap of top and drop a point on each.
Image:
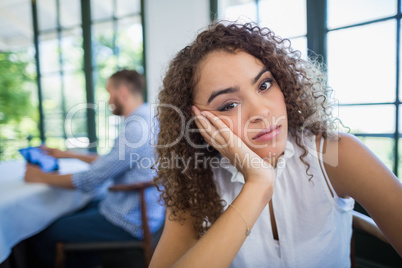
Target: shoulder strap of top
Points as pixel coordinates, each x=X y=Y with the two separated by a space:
x=323 y=168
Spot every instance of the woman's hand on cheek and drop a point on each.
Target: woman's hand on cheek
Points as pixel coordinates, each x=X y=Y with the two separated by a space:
x=220 y=136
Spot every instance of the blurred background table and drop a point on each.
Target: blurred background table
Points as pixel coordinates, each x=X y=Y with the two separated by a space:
x=28 y=208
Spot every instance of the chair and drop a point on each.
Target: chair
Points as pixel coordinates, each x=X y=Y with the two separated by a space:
x=367 y=225
x=146 y=244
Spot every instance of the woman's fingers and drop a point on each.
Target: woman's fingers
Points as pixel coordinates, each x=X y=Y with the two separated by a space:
x=202 y=123
x=209 y=132
x=200 y=126
x=211 y=123
x=222 y=129
x=208 y=129
x=221 y=137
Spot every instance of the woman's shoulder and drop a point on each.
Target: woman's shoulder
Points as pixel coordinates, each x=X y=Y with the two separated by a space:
x=349 y=163
x=339 y=146
x=338 y=139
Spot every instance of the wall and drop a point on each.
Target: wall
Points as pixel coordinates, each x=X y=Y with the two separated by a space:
x=170 y=26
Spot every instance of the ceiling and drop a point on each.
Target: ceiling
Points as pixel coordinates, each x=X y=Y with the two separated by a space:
x=16 y=29
x=15 y=24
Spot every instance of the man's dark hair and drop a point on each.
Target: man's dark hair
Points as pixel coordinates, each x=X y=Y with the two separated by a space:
x=132 y=79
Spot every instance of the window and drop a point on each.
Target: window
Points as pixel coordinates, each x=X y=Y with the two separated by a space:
x=18 y=92
x=362 y=69
x=360 y=45
x=69 y=86
x=117 y=40
x=284 y=21
x=61 y=70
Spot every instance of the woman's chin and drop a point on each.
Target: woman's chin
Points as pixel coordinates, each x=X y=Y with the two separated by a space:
x=270 y=152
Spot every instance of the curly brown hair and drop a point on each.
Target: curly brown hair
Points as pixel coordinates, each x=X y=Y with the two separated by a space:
x=303 y=85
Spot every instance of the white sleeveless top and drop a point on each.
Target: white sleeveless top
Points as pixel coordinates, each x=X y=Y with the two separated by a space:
x=314 y=227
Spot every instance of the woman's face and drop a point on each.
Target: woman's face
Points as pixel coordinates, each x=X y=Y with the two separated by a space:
x=242 y=92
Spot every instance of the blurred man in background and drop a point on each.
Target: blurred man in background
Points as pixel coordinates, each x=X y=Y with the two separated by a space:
x=117 y=217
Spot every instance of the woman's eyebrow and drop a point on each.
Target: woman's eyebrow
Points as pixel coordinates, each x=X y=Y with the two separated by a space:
x=234 y=89
x=222 y=91
x=264 y=70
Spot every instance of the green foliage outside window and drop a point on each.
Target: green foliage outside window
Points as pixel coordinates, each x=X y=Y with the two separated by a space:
x=15 y=102
x=18 y=106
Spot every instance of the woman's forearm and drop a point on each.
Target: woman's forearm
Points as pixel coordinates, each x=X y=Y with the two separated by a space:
x=221 y=243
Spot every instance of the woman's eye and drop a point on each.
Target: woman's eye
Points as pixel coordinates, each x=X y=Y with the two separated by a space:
x=228 y=106
x=265 y=85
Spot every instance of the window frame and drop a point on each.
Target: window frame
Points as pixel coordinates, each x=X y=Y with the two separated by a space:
x=88 y=60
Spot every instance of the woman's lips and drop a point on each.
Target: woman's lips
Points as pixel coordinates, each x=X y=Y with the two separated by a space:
x=268 y=133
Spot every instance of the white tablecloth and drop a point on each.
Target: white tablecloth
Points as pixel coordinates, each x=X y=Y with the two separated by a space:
x=28 y=208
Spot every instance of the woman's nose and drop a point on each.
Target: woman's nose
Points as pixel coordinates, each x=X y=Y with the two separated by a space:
x=258 y=110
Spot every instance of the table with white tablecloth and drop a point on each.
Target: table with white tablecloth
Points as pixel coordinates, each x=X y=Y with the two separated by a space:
x=28 y=208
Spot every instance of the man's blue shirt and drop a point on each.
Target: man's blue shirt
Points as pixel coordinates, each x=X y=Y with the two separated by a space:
x=129 y=161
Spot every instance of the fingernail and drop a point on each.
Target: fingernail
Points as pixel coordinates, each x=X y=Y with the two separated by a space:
x=204 y=114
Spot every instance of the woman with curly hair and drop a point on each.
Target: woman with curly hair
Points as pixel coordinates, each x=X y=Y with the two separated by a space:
x=252 y=171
